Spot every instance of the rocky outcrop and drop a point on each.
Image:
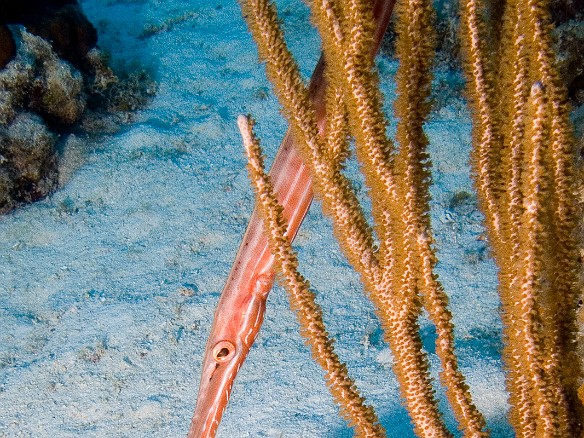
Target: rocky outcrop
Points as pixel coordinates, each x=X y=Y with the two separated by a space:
x=27 y=154
x=48 y=68
x=53 y=81
x=7 y=46
x=61 y=22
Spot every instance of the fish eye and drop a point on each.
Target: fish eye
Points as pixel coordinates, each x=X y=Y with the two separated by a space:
x=223 y=351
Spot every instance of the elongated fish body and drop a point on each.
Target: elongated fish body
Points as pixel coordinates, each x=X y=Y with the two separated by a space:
x=240 y=311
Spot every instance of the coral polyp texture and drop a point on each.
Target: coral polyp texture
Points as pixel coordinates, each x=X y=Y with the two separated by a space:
x=523 y=164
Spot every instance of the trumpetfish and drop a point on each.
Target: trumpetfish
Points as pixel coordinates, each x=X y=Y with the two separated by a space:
x=240 y=311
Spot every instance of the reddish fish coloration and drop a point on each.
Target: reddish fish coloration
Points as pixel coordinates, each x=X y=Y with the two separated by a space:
x=240 y=312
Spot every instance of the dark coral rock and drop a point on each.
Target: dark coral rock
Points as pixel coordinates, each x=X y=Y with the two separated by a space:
x=13 y=11
x=7 y=46
x=57 y=91
x=58 y=82
x=566 y=10
x=570 y=40
x=6 y=190
x=59 y=21
x=28 y=170
x=70 y=33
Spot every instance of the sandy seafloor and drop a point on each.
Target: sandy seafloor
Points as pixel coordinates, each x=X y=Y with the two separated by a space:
x=108 y=288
